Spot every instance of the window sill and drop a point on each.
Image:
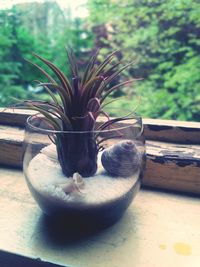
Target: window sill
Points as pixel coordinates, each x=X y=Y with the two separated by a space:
x=173 y=150
x=158 y=229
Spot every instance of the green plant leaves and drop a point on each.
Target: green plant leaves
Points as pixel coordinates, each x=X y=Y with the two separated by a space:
x=82 y=98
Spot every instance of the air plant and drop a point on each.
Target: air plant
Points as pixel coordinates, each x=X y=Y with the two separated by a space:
x=82 y=100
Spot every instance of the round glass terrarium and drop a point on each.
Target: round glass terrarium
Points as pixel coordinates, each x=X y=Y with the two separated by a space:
x=89 y=176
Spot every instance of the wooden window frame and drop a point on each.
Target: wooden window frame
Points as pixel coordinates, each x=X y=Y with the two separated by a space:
x=173 y=150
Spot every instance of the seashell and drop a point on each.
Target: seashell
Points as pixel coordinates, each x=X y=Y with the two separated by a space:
x=68 y=187
x=73 y=184
x=78 y=180
x=121 y=159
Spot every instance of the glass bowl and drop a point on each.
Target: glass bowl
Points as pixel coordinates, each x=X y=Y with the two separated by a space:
x=87 y=177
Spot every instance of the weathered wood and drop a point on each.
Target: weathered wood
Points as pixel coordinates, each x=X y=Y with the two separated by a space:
x=172 y=131
x=174 y=167
x=169 y=166
x=154 y=129
x=11 y=141
x=158 y=229
x=14 y=117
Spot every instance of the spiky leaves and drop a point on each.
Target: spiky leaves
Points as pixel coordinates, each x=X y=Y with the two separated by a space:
x=80 y=104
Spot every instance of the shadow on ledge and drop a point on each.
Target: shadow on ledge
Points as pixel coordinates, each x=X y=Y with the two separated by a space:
x=62 y=230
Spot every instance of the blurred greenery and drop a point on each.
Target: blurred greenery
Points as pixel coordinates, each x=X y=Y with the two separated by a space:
x=17 y=42
x=163 y=36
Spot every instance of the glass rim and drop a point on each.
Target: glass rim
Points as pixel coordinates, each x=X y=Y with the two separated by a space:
x=39 y=129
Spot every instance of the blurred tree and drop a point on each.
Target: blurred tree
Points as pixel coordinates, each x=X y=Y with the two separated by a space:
x=164 y=37
x=18 y=38
x=10 y=65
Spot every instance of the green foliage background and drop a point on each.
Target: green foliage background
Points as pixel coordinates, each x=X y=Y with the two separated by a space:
x=163 y=36
x=17 y=43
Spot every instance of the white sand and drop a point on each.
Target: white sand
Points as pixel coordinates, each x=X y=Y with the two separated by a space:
x=46 y=177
